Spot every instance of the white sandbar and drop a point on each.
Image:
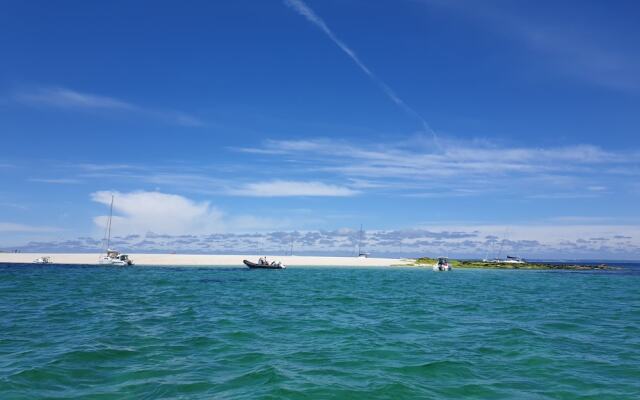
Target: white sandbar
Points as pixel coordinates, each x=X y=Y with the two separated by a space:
x=184 y=260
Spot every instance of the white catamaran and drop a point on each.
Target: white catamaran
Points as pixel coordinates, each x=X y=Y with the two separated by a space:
x=112 y=257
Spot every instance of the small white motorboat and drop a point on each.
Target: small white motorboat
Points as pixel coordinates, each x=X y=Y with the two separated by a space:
x=442 y=264
x=42 y=260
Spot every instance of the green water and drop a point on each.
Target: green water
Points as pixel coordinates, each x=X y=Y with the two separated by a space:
x=231 y=333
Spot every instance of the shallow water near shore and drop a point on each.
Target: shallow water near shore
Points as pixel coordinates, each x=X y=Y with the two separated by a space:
x=307 y=333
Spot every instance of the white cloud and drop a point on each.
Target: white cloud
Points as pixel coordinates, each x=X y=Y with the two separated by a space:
x=141 y=212
x=280 y=188
x=162 y=213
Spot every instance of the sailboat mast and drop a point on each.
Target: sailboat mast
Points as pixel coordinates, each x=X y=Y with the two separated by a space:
x=504 y=239
x=109 y=224
x=360 y=241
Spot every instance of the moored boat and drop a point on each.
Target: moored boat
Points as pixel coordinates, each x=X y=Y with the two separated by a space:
x=42 y=260
x=113 y=257
x=442 y=264
x=361 y=254
x=514 y=260
x=264 y=264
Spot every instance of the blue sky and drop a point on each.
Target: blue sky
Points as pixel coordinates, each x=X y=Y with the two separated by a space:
x=441 y=126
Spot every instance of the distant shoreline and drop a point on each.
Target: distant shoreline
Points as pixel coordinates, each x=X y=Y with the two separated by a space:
x=212 y=260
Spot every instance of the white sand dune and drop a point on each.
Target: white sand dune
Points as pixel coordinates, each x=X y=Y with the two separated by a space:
x=184 y=260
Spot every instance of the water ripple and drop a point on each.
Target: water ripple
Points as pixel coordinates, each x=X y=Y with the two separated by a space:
x=149 y=333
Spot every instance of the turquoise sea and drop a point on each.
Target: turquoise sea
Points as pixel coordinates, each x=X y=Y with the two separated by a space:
x=317 y=333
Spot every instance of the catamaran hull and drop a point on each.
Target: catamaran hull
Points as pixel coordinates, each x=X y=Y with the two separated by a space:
x=117 y=263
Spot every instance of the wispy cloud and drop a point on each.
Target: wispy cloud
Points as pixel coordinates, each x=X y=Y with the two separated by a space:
x=406 y=167
x=64 y=98
x=104 y=167
x=14 y=206
x=457 y=168
x=279 y=188
x=416 y=158
x=56 y=181
x=196 y=180
x=303 y=9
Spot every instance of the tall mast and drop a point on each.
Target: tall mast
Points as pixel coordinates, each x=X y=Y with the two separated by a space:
x=109 y=224
x=360 y=241
x=504 y=239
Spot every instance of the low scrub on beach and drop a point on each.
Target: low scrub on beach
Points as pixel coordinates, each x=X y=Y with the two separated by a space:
x=428 y=261
x=425 y=261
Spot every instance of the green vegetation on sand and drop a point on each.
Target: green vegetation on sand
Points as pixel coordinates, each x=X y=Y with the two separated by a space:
x=426 y=261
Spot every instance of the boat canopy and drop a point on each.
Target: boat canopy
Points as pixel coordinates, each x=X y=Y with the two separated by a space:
x=112 y=253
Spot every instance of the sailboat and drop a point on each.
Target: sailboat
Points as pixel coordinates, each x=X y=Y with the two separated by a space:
x=509 y=259
x=112 y=257
x=361 y=254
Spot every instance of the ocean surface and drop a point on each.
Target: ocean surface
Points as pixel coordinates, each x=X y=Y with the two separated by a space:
x=317 y=333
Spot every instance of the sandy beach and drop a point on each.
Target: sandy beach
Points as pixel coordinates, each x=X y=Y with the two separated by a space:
x=202 y=260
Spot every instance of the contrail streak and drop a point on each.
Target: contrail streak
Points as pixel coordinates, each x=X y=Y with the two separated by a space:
x=311 y=16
